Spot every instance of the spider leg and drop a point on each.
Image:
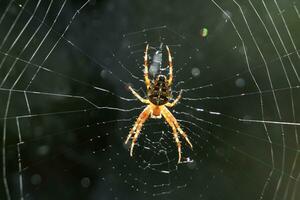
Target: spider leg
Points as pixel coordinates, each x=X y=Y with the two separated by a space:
x=138 y=96
x=146 y=71
x=177 y=142
x=183 y=134
x=175 y=126
x=170 y=66
x=175 y=101
x=136 y=129
x=137 y=132
x=168 y=116
x=132 y=130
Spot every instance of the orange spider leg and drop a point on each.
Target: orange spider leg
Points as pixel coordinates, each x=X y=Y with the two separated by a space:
x=175 y=101
x=136 y=129
x=170 y=66
x=146 y=71
x=175 y=126
x=168 y=118
x=183 y=133
x=177 y=141
x=138 y=96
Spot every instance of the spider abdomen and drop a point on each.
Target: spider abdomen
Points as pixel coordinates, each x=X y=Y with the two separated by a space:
x=159 y=94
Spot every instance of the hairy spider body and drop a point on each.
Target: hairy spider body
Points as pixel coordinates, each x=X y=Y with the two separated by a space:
x=160 y=92
x=155 y=111
x=159 y=95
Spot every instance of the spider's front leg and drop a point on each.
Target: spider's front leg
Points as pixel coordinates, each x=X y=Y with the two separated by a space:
x=175 y=126
x=136 y=129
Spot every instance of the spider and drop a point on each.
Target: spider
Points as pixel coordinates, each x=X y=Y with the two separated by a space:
x=159 y=94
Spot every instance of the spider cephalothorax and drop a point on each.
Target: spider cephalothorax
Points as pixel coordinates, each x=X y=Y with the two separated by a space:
x=159 y=95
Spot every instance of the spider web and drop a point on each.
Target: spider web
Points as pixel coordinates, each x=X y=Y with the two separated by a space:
x=66 y=110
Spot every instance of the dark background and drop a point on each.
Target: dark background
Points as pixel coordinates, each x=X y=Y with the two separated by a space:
x=72 y=150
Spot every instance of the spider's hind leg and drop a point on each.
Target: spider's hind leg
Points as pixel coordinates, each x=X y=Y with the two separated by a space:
x=170 y=80
x=175 y=101
x=146 y=70
x=138 y=96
